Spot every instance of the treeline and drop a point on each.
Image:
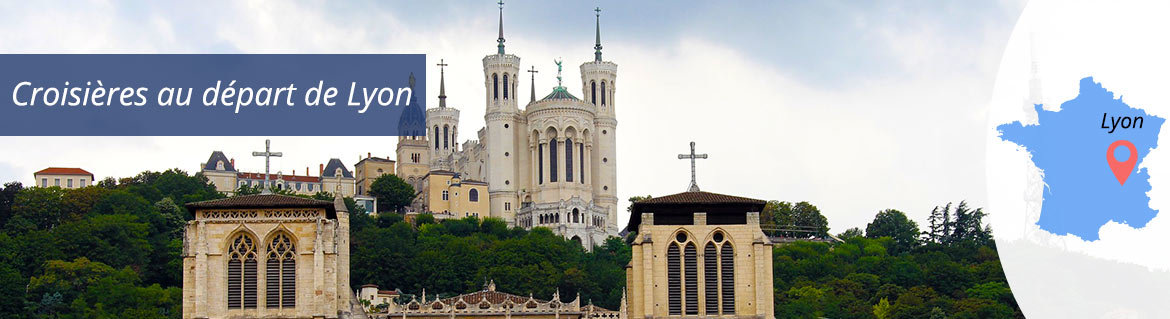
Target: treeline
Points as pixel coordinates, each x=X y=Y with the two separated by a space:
x=892 y=269
x=106 y=251
x=457 y=256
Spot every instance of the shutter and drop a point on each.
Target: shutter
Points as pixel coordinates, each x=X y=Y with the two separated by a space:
x=250 y=283
x=727 y=259
x=711 y=279
x=272 y=283
x=234 y=275
x=673 y=280
x=691 y=264
x=288 y=282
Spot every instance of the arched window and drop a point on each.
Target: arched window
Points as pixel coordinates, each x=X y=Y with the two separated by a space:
x=540 y=163
x=603 y=93
x=711 y=278
x=473 y=195
x=241 y=273
x=436 y=130
x=581 y=147
x=593 y=92
x=674 y=279
x=552 y=160
x=505 y=86
x=568 y=160
x=446 y=130
x=690 y=263
x=495 y=86
x=727 y=267
x=281 y=273
x=576 y=217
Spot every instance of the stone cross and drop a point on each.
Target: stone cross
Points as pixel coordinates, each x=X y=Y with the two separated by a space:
x=268 y=155
x=692 y=156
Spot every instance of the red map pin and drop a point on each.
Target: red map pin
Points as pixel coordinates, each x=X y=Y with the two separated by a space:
x=1121 y=170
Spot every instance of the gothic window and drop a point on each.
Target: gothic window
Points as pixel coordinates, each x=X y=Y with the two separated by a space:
x=281 y=273
x=576 y=217
x=505 y=86
x=552 y=160
x=540 y=164
x=691 y=266
x=241 y=273
x=445 y=195
x=593 y=92
x=568 y=160
x=727 y=267
x=674 y=279
x=603 y=93
x=495 y=86
x=436 y=134
x=711 y=278
x=473 y=195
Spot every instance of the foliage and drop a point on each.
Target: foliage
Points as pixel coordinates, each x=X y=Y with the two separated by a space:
x=457 y=256
x=392 y=193
x=894 y=224
x=791 y=217
x=960 y=225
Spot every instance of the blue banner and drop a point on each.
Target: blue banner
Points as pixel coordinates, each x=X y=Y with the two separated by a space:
x=212 y=94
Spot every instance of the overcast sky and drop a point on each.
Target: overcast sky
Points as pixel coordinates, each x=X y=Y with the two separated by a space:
x=855 y=107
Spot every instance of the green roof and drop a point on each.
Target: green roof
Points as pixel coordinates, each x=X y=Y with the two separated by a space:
x=559 y=93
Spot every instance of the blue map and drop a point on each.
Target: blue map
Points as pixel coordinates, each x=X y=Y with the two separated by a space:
x=1069 y=146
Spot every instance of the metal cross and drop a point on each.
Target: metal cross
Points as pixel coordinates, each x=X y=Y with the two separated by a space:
x=441 y=65
x=533 y=71
x=268 y=155
x=692 y=156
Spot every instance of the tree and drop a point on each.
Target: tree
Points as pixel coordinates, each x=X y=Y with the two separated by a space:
x=7 y=199
x=799 y=220
x=635 y=199
x=392 y=193
x=882 y=309
x=960 y=225
x=851 y=233
x=894 y=224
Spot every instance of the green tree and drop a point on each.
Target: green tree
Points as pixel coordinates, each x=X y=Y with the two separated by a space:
x=7 y=199
x=851 y=233
x=393 y=193
x=882 y=309
x=799 y=220
x=894 y=224
x=116 y=240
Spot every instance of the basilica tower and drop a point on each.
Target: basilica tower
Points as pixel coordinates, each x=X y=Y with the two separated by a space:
x=500 y=72
x=598 y=84
x=443 y=130
x=413 y=156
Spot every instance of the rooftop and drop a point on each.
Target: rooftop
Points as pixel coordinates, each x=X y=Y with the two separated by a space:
x=265 y=201
x=691 y=202
x=63 y=171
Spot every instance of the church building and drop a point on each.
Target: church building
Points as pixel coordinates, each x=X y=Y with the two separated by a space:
x=552 y=163
x=699 y=254
x=267 y=256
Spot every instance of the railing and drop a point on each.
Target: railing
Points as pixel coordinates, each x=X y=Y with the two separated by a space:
x=795 y=233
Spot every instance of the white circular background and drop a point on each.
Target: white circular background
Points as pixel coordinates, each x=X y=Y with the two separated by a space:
x=1124 y=45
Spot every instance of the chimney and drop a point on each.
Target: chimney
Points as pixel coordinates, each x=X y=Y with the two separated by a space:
x=294 y=173
x=307 y=171
x=322 y=170
x=233 y=162
x=367 y=154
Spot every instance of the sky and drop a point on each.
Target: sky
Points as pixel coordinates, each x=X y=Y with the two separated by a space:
x=855 y=107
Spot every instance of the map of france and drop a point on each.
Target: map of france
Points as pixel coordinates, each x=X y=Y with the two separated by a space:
x=1085 y=185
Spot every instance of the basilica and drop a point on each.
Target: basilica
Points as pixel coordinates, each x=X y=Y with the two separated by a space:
x=552 y=163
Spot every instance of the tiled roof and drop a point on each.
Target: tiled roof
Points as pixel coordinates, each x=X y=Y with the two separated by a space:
x=560 y=93
x=699 y=198
x=491 y=295
x=377 y=159
x=217 y=157
x=264 y=201
x=331 y=168
x=63 y=171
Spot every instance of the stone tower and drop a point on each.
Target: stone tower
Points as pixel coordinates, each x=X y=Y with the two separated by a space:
x=412 y=152
x=598 y=84
x=500 y=74
x=444 y=127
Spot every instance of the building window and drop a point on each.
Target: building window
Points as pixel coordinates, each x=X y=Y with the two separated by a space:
x=44 y=182
x=593 y=92
x=446 y=132
x=505 y=86
x=69 y=182
x=82 y=183
x=473 y=195
x=495 y=86
x=241 y=273
x=540 y=164
x=727 y=268
x=552 y=160
x=436 y=133
x=568 y=160
x=298 y=186
x=445 y=195
x=281 y=273
x=674 y=279
x=603 y=93
x=507 y=206
x=310 y=187
x=581 y=147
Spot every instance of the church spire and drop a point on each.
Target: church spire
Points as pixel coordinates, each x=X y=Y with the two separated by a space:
x=533 y=71
x=442 y=84
x=597 y=45
x=500 y=40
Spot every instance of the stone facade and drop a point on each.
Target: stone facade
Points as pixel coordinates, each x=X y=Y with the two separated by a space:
x=313 y=280
x=369 y=169
x=686 y=248
x=555 y=157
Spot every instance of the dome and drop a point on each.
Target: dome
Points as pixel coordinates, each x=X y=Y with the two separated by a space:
x=560 y=93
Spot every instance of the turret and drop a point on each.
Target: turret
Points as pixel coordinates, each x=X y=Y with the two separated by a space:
x=599 y=83
x=501 y=72
x=444 y=127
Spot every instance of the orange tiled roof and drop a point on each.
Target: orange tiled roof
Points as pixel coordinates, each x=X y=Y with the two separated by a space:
x=63 y=171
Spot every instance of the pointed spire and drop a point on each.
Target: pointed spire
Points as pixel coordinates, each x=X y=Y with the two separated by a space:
x=442 y=84
x=501 y=39
x=533 y=71
x=597 y=45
